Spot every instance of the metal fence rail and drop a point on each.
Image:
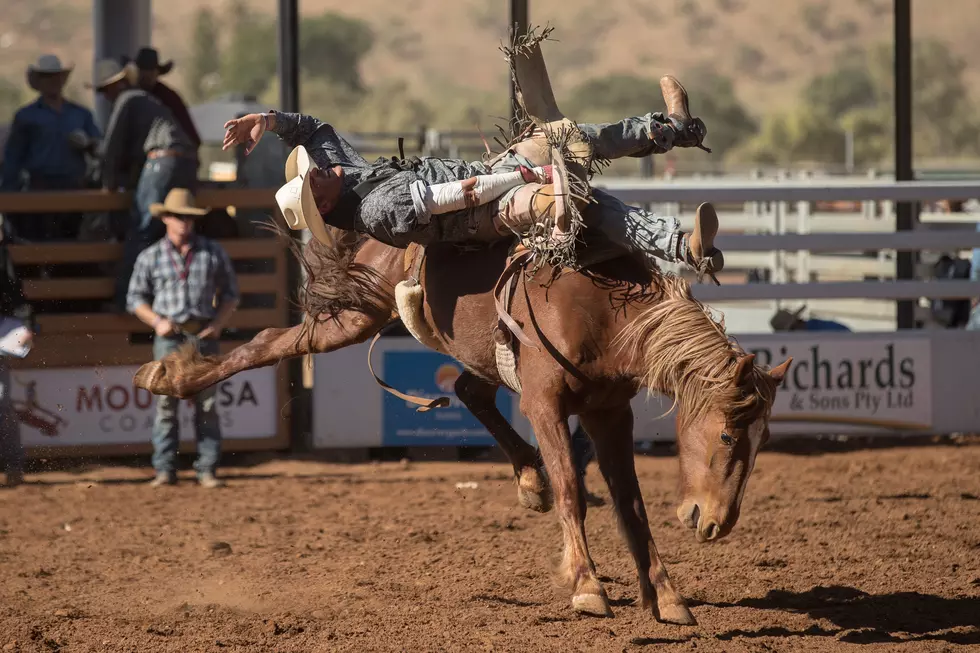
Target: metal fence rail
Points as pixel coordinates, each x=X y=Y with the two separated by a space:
x=768 y=208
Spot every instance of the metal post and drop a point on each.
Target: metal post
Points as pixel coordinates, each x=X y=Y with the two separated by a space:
x=120 y=27
x=905 y=215
x=517 y=25
x=300 y=415
x=289 y=56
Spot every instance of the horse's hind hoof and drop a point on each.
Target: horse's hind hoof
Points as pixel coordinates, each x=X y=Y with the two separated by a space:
x=676 y=613
x=593 y=604
x=150 y=376
x=533 y=491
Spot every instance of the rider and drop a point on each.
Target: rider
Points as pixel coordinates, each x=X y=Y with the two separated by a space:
x=393 y=202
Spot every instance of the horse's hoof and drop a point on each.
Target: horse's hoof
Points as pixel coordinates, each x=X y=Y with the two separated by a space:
x=593 y=604
x=150 y=376
x=533 y=491
x=677 y=613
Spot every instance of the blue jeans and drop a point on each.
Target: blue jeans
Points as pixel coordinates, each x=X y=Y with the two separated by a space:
x=206 y=422
x=159 y=177
x=974 y=322
x=11 y=450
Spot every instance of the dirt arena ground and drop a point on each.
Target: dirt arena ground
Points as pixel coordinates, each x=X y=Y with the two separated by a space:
x=864 y=550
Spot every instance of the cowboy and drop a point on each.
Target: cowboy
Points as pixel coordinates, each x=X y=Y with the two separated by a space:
x=184 y=288
x=150 y=70
x=785 y=320
x=48 y=141
x=142 y=135
x=398 y=204
x=14 y=305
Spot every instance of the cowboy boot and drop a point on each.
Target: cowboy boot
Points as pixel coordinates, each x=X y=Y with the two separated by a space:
x=702 y=254
x=689 y=132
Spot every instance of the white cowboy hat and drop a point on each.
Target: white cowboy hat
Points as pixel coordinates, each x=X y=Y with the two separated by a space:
x=298 y=163
x=109 y=71
x=49 y=64
x=295 y=197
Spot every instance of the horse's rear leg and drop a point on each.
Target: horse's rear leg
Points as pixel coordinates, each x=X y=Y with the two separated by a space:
x=551 y=428
x=185 y=373
x=480 y=397
x=612 y=433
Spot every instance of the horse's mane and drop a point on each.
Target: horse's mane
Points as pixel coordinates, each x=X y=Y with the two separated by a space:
x=687 y=355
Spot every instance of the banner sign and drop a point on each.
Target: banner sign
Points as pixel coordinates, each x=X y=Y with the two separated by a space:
x=430 y=375
x=99 y=405
x=880 y=383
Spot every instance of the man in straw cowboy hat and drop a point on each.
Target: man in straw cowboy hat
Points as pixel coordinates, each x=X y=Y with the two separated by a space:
x=433 y=199
x=184 y=288
x=48 y=141
x=150 y=69
x=142 y=135
x=785 y=320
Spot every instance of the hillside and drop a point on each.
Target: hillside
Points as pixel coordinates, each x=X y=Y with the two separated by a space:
x=768 y=47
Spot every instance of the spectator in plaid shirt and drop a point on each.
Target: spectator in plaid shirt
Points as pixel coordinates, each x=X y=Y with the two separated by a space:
x=184 y=287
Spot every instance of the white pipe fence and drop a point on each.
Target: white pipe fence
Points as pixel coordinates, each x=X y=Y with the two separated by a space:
x=779 y=195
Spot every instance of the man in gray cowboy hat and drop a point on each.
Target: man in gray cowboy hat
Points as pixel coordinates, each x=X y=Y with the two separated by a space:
x=150 y=69
x=184 y=288
x=785 y=320
x=142 y=135
x=48 y=141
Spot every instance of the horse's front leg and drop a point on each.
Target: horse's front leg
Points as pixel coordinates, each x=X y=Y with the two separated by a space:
x=185 y=373
x=542 y=408
x=612 y=433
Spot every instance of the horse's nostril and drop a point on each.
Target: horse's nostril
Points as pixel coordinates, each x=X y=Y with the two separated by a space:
x=711 y=531
x=696 y=515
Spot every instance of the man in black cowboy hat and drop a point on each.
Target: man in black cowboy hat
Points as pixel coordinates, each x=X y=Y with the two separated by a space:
x=142 y=136
x=150 y=69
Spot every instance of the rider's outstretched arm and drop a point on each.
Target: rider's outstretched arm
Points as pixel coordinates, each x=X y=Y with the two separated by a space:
x=300 y=129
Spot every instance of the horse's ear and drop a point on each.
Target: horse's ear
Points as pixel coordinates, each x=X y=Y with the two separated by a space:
x=743 y=368
x=778 y=373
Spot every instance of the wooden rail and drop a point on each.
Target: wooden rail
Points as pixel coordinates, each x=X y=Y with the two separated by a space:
x=101 y=339
x=95 y=201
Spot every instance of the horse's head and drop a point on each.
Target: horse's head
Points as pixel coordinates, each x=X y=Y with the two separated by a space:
x=718 y=438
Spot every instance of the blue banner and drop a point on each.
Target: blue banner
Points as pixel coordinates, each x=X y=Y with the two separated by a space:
x=429 y=374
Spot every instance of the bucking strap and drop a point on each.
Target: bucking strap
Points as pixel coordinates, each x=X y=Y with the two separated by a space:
x=517 y=264
x=424 y=405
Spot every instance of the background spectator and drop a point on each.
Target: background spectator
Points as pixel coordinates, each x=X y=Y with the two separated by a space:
x=785 y=320
x=173 y=290
x=12 y=304
x=48 y=142
x=143 y=135
x=150 y=69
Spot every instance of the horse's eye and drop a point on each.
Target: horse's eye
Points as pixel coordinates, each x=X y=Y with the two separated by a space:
x=727 y=439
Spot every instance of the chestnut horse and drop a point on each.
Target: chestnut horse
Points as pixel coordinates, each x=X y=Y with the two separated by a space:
x=619 y=328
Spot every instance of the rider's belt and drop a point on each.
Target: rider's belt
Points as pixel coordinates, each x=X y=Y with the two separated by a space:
x=345 y=211
x=191 y=327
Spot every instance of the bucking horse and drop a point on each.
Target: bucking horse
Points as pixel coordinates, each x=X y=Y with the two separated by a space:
x=572 y=339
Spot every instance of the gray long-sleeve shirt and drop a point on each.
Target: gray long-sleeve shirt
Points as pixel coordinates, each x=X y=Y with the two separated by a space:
x=139 y=124
x=388 y=212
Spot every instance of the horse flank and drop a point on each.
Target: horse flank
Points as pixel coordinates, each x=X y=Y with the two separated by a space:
x=687 y=355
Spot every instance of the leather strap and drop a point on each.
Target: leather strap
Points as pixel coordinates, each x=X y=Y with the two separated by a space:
x=424 y=405
x=550 y=348
x=517 y=264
